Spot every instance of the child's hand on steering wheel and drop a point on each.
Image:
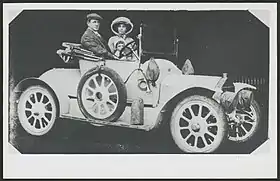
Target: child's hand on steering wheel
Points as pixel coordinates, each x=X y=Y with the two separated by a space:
x=116 y=57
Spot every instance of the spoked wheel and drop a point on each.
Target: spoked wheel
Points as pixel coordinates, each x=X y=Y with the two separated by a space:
x=37 y=110
x=245 y=123
x=198 y=125
x=102 y=95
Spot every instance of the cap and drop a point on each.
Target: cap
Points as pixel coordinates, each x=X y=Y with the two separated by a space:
x=94 y=16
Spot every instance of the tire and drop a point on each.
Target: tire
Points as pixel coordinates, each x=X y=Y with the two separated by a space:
x=37 y=110
x=237 y=133
x=198 y=133
x=92 y=94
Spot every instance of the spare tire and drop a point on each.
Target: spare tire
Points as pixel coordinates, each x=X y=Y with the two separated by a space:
x=102 y=94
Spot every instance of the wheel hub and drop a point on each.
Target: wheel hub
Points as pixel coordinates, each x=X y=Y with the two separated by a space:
x=195 y=127
x=238 y=119
x=38 y=110
x=99 y=96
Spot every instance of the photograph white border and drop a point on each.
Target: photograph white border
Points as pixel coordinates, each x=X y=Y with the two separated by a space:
x=259 y=165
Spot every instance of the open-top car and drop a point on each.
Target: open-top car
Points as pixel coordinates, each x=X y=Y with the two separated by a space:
x=201 y=112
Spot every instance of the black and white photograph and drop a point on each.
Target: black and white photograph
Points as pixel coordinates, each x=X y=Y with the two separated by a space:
x=118 y=81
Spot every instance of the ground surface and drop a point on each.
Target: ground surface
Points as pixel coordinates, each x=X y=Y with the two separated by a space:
x=76 y=137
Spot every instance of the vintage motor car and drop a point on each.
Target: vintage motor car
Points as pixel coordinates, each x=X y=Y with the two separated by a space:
x=200 y=112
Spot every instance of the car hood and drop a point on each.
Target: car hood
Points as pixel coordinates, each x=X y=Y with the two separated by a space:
x=191 y=80
x=174 y=84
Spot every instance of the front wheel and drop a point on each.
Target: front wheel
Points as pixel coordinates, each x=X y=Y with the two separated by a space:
x=245 y=124
x=198 y=125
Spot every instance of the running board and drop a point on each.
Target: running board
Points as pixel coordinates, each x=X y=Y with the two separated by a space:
x=117 y=123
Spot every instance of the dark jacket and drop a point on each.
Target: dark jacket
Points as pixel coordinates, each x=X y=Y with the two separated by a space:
x=92 y=42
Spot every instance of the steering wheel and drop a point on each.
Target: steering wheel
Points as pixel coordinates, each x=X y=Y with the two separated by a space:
x=128 y=49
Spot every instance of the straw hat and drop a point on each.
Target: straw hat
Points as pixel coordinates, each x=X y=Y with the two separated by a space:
x=121 y=20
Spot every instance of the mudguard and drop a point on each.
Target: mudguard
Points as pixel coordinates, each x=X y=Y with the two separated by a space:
x=31 y=81
x=64 y=83
x=239 y=86
x=174 y=84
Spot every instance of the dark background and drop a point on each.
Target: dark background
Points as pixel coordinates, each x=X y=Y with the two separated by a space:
x=215 y=41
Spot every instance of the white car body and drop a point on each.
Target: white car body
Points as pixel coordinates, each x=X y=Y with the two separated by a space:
x=171 y=82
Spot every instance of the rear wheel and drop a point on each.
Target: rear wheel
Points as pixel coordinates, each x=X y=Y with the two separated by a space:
x=37 y=110
x=198 y=125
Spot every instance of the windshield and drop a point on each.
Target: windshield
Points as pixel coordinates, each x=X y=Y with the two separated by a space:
x=158 y=40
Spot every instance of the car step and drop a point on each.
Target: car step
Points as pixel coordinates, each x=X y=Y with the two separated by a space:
x=117 y=123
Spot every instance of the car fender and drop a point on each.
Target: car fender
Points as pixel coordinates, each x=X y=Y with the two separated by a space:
x=239 y=86
x=27 y=82
x=174 y=86
x=64 y=83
